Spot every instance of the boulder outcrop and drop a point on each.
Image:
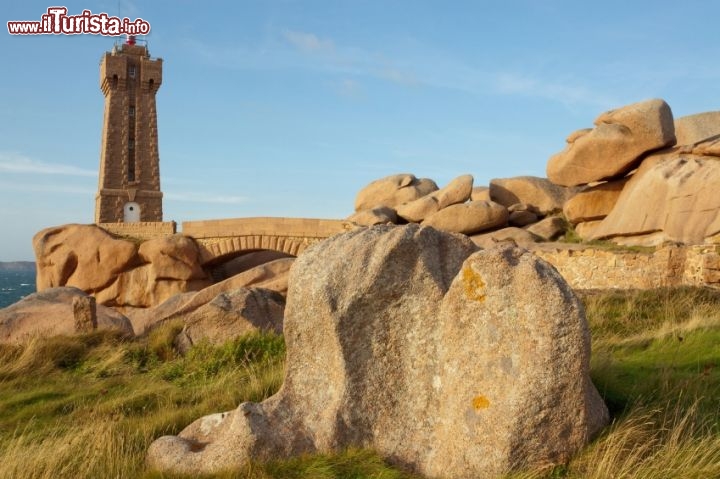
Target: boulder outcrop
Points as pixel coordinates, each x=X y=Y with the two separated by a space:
x=173 y=257
x=672 y=197
x=480 y=193
x=548 y=229
x=522 y=214
x=469 y=218
x=392 y=191
x=512 y=234
x=692 y=129
x=594 y=203
x=117 y=272
x=538 y=193
x=419 y=209
x=272 y=275
x=402 y=339
x=83 y=256
x=615 y=145
x=586 y=229
x=232 y=314
x=457 y=191
x=376 y=216
x=58 y=311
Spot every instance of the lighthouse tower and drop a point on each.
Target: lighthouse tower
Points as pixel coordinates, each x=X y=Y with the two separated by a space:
x=129 y=184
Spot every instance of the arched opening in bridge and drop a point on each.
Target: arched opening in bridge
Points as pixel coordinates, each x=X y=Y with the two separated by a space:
x=227 y=266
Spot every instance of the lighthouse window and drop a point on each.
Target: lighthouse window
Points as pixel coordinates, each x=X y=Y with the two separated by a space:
x=131 y=111
x=131 y=143
x=131 y=71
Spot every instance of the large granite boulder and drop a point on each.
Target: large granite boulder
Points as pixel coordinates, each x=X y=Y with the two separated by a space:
x=692 y=129
x=457 y=191
x=83 y=256
x=586 y=229
x=58 y=311
x=512 y=234
x=419 y=209
x=480 y=193
x=377 y=216
x=116 y=271
x=522 y=396
x=549 y=228
x=176 y=257
x=594 y=203
x=522 y=214
x=392 y=191
x=672 y=197
x=233 y=314
x=539 y=193
x=469 y=218
x=402 y=339
x=615 y=145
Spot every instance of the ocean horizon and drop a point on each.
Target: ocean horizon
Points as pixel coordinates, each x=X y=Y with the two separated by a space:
x=15 y=285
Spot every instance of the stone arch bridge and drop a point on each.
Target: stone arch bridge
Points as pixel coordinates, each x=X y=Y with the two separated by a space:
x=222 y=239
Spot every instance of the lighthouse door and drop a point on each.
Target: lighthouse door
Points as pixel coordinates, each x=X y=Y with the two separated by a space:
x=131 y=212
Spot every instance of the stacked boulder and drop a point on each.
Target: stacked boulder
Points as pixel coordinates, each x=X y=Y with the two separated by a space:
x=648 y=179
x=519 y=208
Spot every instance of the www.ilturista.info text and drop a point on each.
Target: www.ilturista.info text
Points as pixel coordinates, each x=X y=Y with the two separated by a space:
x=57 y=22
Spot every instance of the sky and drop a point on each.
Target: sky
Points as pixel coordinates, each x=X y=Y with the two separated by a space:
x=289 y=107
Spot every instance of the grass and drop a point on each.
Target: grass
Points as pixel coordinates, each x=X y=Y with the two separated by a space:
x=89 y=406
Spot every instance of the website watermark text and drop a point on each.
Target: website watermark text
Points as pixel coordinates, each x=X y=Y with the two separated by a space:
x=57 y=22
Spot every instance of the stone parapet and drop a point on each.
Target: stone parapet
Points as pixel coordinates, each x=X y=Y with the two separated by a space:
x=288 y=227
x=220 y=239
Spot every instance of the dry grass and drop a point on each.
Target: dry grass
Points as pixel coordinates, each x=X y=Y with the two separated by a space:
x=655 y=360
x=670 y=442
x=88 y=407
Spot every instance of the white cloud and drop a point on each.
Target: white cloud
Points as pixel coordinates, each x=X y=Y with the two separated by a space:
x=567 y=92
x=308 y=42
x=16 y=163
x=421 y=66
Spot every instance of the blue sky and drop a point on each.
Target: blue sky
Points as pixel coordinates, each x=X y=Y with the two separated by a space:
x=288 y=108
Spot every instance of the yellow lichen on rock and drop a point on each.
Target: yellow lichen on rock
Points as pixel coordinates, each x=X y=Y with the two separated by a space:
x=480 y=402
x=474 y=285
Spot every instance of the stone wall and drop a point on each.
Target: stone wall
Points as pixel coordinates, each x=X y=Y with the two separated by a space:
x=144 y=230
x=595 y=268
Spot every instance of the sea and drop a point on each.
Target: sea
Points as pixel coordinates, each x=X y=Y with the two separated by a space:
x=15 y=285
